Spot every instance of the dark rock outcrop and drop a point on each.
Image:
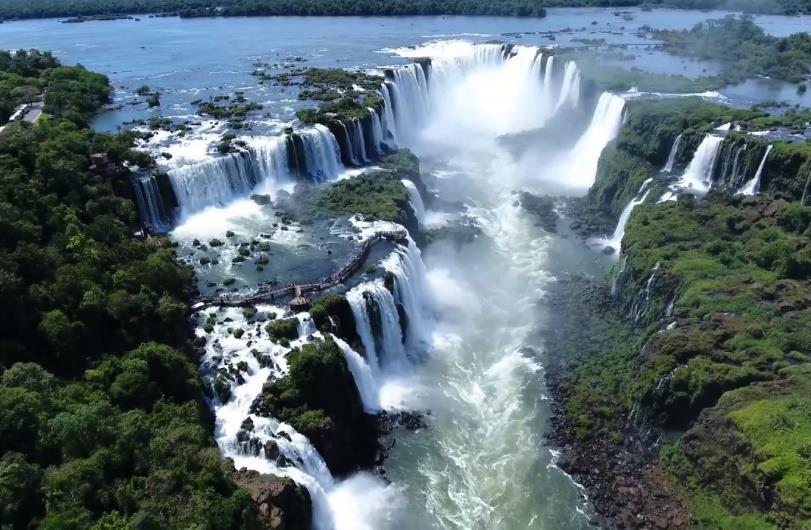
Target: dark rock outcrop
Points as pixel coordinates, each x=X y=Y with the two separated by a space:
x=281 y=503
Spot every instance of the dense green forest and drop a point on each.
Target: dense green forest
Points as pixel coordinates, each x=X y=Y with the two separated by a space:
x=102 y=422
x=534 y=8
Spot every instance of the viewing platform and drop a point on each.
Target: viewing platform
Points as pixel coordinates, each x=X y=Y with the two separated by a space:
x=298 y=292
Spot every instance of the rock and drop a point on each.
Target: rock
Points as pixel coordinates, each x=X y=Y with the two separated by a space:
x=271 y=450
x=281 y=503
x=260 y=199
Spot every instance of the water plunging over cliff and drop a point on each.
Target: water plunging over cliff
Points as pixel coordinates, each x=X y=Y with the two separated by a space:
x=580 y=167
x=615 y=241
x=753 y=186
x=697 y=178
x=671 y=158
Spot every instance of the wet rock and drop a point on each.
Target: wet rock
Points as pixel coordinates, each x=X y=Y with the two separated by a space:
x=281 y=503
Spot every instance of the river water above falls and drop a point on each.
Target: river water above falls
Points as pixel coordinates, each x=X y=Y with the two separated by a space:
x=471 y=356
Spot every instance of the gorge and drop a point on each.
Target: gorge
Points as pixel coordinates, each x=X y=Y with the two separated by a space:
x=457 y=280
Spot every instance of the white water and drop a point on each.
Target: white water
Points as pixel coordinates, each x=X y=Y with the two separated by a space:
x=415 y=199
x=753 y=186
x=373 y=503
x=671 y=158
x=483 y=463
x=615 y=241
x=697 y=177
x=581 y=163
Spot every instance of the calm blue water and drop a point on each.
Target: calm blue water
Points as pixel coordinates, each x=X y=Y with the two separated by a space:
x=198 y=58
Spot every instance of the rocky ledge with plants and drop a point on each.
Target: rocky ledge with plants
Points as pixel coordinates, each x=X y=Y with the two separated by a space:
x=681 y=382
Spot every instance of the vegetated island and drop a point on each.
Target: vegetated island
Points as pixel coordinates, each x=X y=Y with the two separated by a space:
x=741 y=49
x=18 y=9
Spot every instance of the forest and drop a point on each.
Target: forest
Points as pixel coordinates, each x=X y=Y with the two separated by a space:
x=102 y=419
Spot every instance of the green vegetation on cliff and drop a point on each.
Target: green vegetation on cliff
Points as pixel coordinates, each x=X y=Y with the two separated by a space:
x=376 y=194
x=319 y=399
x=731 y=276
x=102 y=421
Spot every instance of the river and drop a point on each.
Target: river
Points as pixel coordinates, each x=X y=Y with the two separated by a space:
x=472 y=357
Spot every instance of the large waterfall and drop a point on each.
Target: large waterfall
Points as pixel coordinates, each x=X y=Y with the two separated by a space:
x=468 y=364
x=311 y=154
x=581 y=164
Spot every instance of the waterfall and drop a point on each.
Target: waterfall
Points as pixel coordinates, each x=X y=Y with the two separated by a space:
x=415 y=200
x=615 y=241
x=582 y=160
x=321 y=154
x=410 y=290
x=150 y=204
x=276 y=448
x=671 y=158
x=359 y=141
x=639 y=309
x=753 y=186
x=363 y=375
x=215 y=181
x=805 y=189
x=547 y=78
x=619 y=277
x=570 y=91
x=388 y=122
x=410 y=90
x=697 y=178
x=382 y=337
x=379 y=145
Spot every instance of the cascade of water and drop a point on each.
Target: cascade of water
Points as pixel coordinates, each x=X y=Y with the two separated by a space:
x=697 y=177
x=276 y=448
x=410 y=290
x=805 y=189
x=582 y=160
x=570 y=90
x=378 y=142
x=640 y=309
x=150 y=203
x=412 y=105
x=618 y=278
x=415 y=200
x=378 y=325
x=548 y=79
x=352 y=157
x=321 y=153
x=615 y=241
x=671 y=158
x=363 y=375
x=753 y=186
x=358 y=141
x=389 y=123
x=215 y=181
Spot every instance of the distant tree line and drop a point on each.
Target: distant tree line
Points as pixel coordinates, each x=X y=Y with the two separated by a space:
x=10 y=9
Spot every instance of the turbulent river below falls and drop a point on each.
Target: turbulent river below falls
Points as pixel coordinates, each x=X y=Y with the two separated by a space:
x=471 y=359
